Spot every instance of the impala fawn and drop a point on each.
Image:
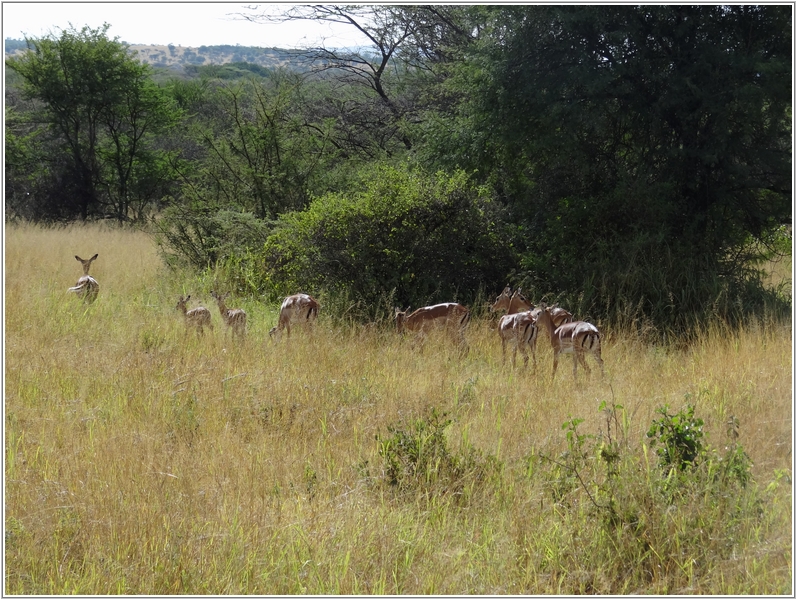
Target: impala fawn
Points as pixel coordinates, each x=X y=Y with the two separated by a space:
x=86 y=287
x=195 y=318
x=234 y=318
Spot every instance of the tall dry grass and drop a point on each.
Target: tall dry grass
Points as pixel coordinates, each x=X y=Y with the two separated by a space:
x=140 y=459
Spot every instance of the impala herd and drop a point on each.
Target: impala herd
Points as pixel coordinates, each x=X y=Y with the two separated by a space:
x=519 y=326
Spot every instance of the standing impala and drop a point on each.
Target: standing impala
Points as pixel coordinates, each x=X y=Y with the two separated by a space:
x=578 y=338
x=521 y=329
x=86 y=287
x=299 y=308
x=234 y=318
x=196 y=318
x=449 y=315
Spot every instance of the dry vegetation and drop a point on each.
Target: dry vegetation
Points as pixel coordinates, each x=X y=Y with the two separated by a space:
x=142 y=460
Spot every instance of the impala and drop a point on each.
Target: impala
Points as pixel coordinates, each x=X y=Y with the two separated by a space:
x=195 y=318
x=299 y=308
x=511 y=303
x=449 y=315
x=234 y=318
x=521 y=329
x=559 y=315
x=577 y=337
x=86 y=287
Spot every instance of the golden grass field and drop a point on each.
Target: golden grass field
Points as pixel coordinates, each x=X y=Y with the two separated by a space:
x=140 y=459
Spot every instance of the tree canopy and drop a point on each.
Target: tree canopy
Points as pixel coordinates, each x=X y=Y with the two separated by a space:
x=101 y=111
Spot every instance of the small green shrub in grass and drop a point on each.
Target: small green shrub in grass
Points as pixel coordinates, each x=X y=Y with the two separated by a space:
x=654 y=528
x=416 y=456
x=677 y=438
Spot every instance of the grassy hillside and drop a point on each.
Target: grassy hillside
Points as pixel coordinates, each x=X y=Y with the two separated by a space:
x=141 y=459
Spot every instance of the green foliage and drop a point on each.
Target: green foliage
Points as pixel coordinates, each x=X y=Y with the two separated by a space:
x=633 y=162
x=643 y=141
x=234 y=70
x=429 y=238
x=202 y=238
x=103 y=115
x=652 y=518
x=416 y=457
x=251 y=145
x=677 y=438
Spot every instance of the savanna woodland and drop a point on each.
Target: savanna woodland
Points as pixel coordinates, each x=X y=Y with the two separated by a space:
x=629 y=163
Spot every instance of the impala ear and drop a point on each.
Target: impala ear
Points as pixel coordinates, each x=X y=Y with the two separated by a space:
x=93 y=257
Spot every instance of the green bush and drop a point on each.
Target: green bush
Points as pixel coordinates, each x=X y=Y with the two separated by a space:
x=416 y=457
x=203 y=236
x=678 y=438
x=416 y=237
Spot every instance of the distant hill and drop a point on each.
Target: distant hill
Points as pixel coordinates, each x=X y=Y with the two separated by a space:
x=174 y=57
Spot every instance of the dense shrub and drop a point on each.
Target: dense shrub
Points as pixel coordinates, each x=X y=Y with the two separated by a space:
x=424 y=238
x=204 y=237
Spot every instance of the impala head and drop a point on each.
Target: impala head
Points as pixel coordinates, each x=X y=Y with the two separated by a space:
x=543 y=314
x=401 y=316
x=560 y=315
x=502 y=301
x=86 y=263
x=519 y=303
x=181 y=303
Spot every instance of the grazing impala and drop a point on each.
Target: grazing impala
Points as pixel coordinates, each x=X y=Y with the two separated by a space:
x=449 y=315
x=511 y=303
x=234 y=318
x=299 y=308
x=86 y=287
x=577 y=337
x=196 y=318
x=521 y=329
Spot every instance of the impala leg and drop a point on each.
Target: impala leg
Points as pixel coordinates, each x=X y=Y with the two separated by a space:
x=598 y=358
x=580 y=356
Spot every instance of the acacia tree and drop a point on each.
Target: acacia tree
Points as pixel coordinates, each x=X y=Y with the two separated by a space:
x=103 y=113
x=404 y=45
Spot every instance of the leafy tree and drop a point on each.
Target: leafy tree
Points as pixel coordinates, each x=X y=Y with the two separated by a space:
x=251 y=154
x=641 y=147
x=103 y=115
x=379 y=86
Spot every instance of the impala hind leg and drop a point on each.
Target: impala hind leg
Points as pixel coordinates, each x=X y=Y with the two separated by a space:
x=579 y=357
x=525 y=352
x=599 y=360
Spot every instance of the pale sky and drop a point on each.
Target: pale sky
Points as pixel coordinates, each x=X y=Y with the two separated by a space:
x=180 y=23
